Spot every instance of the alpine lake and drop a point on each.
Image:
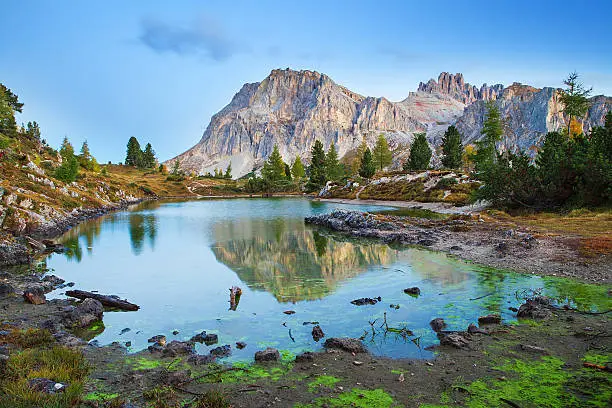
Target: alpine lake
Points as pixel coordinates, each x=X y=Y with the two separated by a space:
x=178 y=260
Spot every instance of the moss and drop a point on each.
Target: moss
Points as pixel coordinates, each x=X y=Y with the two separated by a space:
x=600 y=359
x=99 y=396
x=244 y=372
x=357 y=397
x=327 y=381
x=142 y=363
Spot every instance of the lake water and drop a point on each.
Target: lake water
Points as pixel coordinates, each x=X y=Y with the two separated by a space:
x=177 y=260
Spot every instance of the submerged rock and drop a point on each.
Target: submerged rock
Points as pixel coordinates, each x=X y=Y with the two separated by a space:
x=366 y=301
x=317 y=333
x=346 y=344
x=437 y=324
x=269 y=354
x=221 y=351
x=414 y=291
x=240 y=345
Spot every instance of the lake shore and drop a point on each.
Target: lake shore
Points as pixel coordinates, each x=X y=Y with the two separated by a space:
x=439 y=207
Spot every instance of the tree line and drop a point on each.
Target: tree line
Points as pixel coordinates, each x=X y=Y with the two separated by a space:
x=142 y=159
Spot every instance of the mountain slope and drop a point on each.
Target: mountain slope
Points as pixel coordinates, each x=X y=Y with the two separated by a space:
x=295 y=108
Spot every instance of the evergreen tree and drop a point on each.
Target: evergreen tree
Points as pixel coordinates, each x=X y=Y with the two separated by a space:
x=134 y=154
x=85 y=158
x=575 y=99
x=287 y=172
x=382 y=156
x=69 y=169
x=367 y=168
x=334 y=169
x=274 y=168
x=33 y=130
x=492 y=129
x=317 y=167
x=420 y=154
x=297 y=168
x=554 y=167
x=452 y=149
x=228 y=171
x=148 y=157
x=8 y=106
x=176 y=168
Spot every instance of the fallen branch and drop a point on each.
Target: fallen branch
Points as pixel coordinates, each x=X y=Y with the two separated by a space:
x=483 y=296
x=597 y=366
x=106 y=300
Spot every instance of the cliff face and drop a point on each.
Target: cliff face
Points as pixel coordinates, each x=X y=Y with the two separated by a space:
x=295 y=108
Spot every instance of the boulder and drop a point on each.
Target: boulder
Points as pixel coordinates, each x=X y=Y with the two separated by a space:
x=34 y=295
x=87 y=312
x=346 y=344
x=304 y=357
x=437 y=324
x=366 y=301
x=159 y=339
x=536 y=308
x=221 y=351
x=490 y=319
x=46 y=386
x=414 y=291
x=178 y=348
x=457 y=340
x=240 y=345
x=317 y=333
x=269 y=354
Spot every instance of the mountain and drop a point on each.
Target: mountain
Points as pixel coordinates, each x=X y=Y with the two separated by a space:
x=295 y=108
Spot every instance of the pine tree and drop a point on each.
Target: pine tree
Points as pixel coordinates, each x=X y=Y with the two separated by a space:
x=85 y=159
x=317 y=167
x=274 y=168
x=334 y=169
x=367 y=168
x=148 y=157
x=297 y=168
x=33 y=130
x=492 y=130
x=575 y=99
x=554 y=167
x=287 y=172
x=452 y=149
x=69 y=169
x=420 y=153
x=228 y=171
x=176 y=168
x=382 y=155
x=8 y=106
x=134 y=154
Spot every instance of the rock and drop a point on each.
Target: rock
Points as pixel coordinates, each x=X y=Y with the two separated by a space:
x=490 y=319
x=269 y=354
x=159 y=339
x=533 y=349
x=211 y=338
x=412 y=291
x=289 y=312
x=366 y=301
x=68 y=340
x=346 y=344
x=34 y=295
x=240 y=345
x=317 y=333
x=46 y=386
x=175 y=332
x=198 y=338
x=305 y=357
x=156 y=348
x=123 y=331
x=178 y=348
x=457 y=340
x=199 y=359
x=437 y=324
x=221 y=351
x=128 y=344
x=536 y=308
x=86 y=312
x=175 y=377
x=358 y=363
x=456 y=248
x=472 y=329
x=53 y=280
x=6 y=290
x=34 y=244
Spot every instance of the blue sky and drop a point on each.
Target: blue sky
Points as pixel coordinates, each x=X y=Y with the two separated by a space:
x=158 y=70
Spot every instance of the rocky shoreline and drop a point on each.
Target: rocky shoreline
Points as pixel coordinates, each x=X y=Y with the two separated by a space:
x=24 y=249
x=470 y=238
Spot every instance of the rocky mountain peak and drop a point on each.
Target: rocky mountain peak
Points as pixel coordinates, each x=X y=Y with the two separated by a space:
x=455 y=86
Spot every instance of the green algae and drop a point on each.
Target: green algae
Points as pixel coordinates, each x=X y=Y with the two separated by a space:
x=327 y=381
x=245 y=372
x=142 y=363
x=100 y=396
x=600 y=359
x=356 y=397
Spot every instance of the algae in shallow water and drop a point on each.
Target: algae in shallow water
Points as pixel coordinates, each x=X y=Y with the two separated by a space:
x=357 y=397
x=327 y=381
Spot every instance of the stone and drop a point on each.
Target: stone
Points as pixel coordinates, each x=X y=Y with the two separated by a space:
x=46 y=386
x=269 y=354
x=305 y=357
x=175 y=377
x=346 y=344
x=457 y=340
x=289 y=312
x=159 y=339
x=178 y=348
x=34 y=295
x=53 y=280
x=490 y=319
x=366 y=301
x=240 y=345
x=437 y=324
x=414 y=291
x=221 y=351
x=473 y=329
x=211 y=338
x=85 y=313
x=536 y=308
x=199 y=359
x=317 y=333
x=6 y=290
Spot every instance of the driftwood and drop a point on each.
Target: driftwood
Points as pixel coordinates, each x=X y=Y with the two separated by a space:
x=106 y=300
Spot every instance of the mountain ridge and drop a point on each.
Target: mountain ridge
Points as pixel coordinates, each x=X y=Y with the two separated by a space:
x=294 y=108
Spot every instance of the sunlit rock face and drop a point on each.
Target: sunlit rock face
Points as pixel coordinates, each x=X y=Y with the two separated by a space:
x=294 y=108
x=292 y=262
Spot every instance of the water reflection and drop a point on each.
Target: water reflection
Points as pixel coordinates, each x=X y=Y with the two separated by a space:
x=291 y=261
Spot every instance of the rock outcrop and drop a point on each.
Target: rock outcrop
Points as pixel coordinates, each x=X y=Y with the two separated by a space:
x=295 y=108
